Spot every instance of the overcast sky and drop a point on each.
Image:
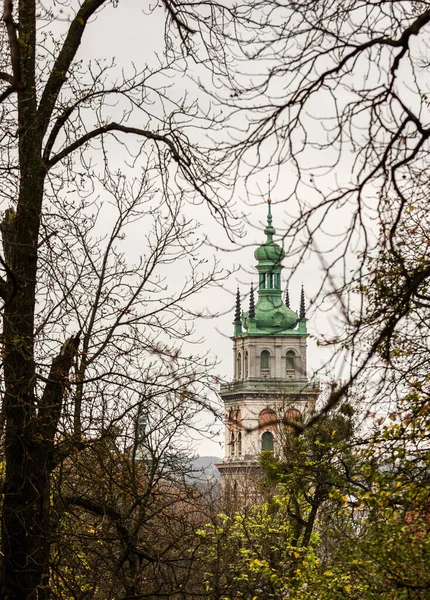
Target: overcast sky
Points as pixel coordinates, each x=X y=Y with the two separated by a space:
x=134 y=32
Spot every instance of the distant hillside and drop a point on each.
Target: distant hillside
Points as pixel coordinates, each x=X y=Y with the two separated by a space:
x=204 y=468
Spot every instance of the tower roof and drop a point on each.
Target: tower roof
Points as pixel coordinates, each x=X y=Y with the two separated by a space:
x=270 y=316
x=269 y=254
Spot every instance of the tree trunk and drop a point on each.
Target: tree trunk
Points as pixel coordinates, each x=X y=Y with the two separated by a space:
x=317 y=501
x=25 y=517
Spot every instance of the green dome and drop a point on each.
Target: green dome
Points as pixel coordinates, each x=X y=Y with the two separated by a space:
x=272 y=315
x=269 y=251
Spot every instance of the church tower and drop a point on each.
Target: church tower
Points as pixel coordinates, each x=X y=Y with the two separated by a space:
x=270 y=390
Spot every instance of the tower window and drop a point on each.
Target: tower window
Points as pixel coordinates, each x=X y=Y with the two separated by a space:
x=268 y=420
x=292 y=416
x=265 y=359
x=239 y=443
x=246 y=364
x=290 y=360
x=267 y=441
x=239 y=365
x=232 y=443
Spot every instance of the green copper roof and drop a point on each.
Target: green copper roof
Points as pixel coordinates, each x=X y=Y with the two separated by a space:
x=270 y=315
x=270 y=252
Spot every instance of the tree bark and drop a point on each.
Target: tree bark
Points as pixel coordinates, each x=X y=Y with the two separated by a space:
x=25 y=517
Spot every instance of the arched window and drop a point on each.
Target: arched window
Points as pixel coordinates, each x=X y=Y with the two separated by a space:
x=268 y=420
x=239 y=365
x=292 y=416
x=246 y=369
x=232 y=443
x=239 y=443
x=267 y=441
x=290 y=360
x=265 y=362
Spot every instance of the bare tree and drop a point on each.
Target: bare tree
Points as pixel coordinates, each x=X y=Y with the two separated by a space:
x=87 y=332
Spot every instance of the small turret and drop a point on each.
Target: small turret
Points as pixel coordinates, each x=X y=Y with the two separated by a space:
x=237 y=315
x=302 y=304
x=251 y=304
x=302 y=313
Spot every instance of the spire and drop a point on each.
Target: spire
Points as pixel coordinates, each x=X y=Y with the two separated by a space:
x=287 y=298
x=302 y=304
x=269 y=203
x=251 y=303
x=237 y=310
x=271 y=314
x=270 y=230
x=270 y=251
x=237 y=315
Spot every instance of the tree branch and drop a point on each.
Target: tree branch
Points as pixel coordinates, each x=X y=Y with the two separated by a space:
x=55 y=131
x=123 y=129
x=180 y=24
x=9 y=287
x=6 y=77
x=16 y=80
x=403 y=42
x=64 y=60
x=4 y=290
x=103 y=510
x=51 y=402
x=7 y=292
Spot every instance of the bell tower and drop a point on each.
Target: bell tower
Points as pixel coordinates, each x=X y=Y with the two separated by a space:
x=270 y=390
